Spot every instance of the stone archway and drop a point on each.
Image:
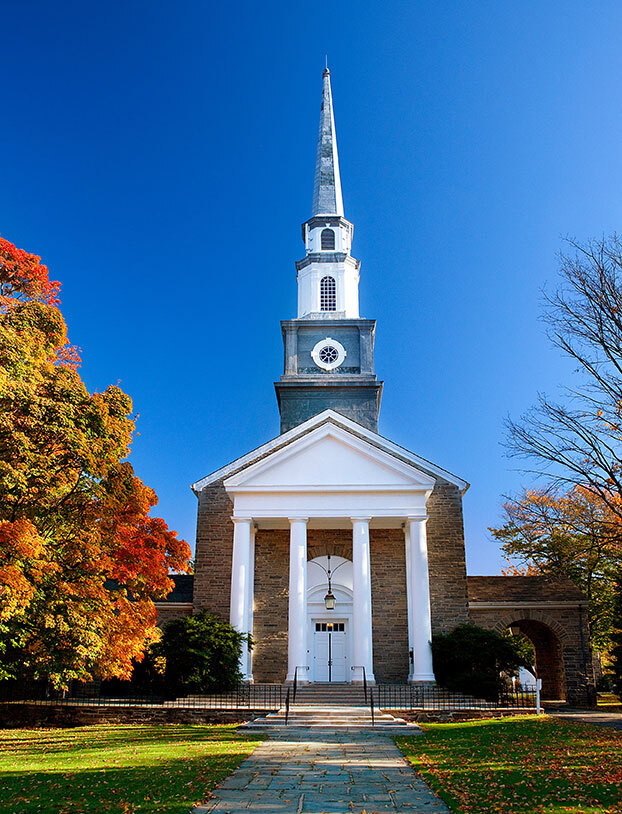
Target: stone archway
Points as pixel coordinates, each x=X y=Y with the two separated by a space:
x=553 y=615
x=549 y=656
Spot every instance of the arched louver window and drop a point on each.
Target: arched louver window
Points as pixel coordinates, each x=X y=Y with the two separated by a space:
x=328 y=294
x=328 y=240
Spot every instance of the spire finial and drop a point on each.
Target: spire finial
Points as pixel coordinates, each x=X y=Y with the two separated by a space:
x=327 y=198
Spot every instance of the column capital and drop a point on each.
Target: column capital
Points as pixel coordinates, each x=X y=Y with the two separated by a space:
x=242 y=519
x=360 y=519
x=418 y=519
x=298 y=520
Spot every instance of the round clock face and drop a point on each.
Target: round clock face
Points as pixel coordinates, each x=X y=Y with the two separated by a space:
x=328 y=353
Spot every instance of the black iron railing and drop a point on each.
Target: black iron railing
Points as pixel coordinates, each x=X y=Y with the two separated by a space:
x=360 y=667
x=403 y=696
x=244 y=696
x=302 y=667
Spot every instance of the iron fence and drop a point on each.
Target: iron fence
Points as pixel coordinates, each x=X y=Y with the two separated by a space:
x=397 y=696
x=244 y=696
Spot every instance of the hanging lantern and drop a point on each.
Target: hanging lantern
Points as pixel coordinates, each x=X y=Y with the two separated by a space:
x=329 y=600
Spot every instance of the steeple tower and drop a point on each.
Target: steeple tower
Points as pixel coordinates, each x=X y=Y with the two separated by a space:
x=328 y=277
x=329 y=350
x=327 y=199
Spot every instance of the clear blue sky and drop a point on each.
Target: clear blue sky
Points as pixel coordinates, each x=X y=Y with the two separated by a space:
x=159 y=156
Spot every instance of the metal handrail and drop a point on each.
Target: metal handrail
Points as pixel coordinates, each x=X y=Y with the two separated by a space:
x=361 y=667
x=371 y=704
x=301 y=667
x=287 y=707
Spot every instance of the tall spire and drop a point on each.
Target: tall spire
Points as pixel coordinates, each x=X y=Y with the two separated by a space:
x=327 y=198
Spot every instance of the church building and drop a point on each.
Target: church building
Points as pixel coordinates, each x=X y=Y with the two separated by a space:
x=340 y=551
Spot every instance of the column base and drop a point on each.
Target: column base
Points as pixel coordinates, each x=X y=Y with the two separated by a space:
x=358 y=682
x=422 y=678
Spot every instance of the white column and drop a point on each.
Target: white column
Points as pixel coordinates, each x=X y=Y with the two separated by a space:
x=251 y=597
x=297 y=622
x=419 y=590
x=361 y=608
x=409 y=604
x=240 y=584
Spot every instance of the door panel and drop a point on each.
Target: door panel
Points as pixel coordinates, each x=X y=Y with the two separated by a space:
x=330 y=648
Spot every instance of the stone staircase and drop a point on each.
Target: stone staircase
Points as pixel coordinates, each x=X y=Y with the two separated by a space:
x=334 y=707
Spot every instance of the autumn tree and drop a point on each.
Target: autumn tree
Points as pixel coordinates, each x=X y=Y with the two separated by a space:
x=616 y=636
x=81 y=558
x=576 y=440
x=574 y=535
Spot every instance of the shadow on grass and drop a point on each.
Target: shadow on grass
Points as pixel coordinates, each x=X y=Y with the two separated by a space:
x=32 y=741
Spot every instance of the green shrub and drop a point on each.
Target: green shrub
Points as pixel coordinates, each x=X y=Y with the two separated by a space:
x=470 y=660
x=202 y=654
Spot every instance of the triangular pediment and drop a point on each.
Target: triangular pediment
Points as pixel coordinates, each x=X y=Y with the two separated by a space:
x=287 y=440
x=330 y=457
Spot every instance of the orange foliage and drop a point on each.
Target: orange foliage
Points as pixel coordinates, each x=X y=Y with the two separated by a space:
x=81 y=558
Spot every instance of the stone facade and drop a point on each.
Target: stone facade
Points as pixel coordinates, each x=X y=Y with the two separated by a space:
x=168 y=611
x=271 y=605
x=388 y=577
x=389 y=605
x=446 y=558
x=212 y=568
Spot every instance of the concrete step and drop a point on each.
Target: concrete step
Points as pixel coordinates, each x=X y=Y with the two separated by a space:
x=333 y=717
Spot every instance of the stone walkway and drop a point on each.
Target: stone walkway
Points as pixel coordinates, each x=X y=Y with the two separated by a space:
x=319 y=771
x=613 y=720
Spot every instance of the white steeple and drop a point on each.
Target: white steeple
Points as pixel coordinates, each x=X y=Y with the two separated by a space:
x=328 y=276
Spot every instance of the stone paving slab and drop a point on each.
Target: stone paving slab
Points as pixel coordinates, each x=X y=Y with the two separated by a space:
x=307 y=771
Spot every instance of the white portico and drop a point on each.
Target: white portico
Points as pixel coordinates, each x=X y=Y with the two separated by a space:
x=330 y=473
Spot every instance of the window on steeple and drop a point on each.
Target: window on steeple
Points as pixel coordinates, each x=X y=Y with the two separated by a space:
x=328 y=292
x=328 y=240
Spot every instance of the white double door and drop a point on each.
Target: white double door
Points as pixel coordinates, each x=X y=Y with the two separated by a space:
x=330 y=650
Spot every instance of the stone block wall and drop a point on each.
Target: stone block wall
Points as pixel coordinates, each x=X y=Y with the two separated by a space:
x=271 y=605
x=212 y=569
x=389 y=605
x=167 y=613
x=446 y=558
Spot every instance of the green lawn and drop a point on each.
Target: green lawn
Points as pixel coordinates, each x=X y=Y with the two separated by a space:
x=521 y=765
x=115 y=769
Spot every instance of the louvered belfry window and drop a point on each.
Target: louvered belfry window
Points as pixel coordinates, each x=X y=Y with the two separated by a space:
x=328 y=294
x=328 y=240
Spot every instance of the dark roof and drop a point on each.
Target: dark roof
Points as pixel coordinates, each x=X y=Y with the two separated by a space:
x=523 y=589
x=182 y=592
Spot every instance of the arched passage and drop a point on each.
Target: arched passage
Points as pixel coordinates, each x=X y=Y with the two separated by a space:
x=549 y=656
